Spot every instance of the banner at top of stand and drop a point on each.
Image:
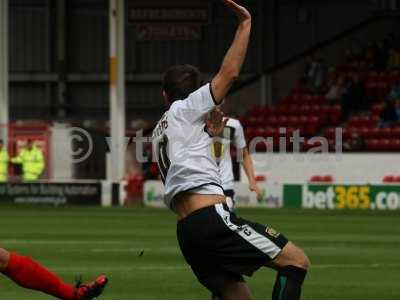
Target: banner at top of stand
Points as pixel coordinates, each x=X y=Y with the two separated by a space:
x=200 y=14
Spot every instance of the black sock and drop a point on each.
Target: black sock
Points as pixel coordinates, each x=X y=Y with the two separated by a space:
x=288 y=283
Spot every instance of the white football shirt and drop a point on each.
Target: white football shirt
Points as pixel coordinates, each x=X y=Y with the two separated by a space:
x=233 y=134
x=183 y=148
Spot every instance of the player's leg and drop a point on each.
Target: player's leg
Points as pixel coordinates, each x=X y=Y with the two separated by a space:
x=253 y=245
x=29 y=274
x=4 y=258
x=292 y=264
x=230 y=202
x=197 y=242
x=236 y=291
x=223 y=284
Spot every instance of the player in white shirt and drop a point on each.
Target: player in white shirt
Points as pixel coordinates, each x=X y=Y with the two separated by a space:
x=183 y=147
x=219 y=246
x=230 y=132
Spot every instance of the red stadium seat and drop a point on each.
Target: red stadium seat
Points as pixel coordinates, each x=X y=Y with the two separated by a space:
x=282 y=121
x=294 y=109
x=385 y=133
x=272 y=121
x=335 y=114
x=305 y=109
x=252 y=121
x=394 y=145
x=260 y=178
x=250 y=132
x=389 y=179
x=396 y=132
x=286 y=99
x=330 y=133
x=293 y=121
x=364 y=132
x=376 y=109
x=384 y=145
x=375 y=133
x=372 y=144
x=321 y=179
x=296 y=97
x=283 y=110
x=327 y=179
x=260 y=132
x=261 y=121
x=316 y=178
x=315 y=109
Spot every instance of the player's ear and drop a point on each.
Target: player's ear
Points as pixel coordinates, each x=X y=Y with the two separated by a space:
x=165 y=96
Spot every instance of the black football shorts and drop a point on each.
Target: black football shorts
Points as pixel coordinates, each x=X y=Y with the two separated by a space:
x=221 y=247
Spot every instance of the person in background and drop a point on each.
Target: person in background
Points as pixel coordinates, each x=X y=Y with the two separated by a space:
x=226 y=132
x=370 y=54
x=390 y=114
x=355 y=143
x=310 y=68
x=320 y=75
x=355 y=98
x=336 y=91
x=3 y=162
x=394 y=59
x=395 y=91
x=315 y=73
x=32 y=160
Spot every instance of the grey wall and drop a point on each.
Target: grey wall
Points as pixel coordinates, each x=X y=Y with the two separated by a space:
x=324 y=20
x=35 y=70
x=333 y=54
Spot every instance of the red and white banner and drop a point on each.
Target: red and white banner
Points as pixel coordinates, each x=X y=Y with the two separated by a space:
x=168 y=32
x=168 y=14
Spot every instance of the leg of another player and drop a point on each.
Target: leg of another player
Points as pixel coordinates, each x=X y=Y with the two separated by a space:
x=4 y=258
x=29 y=274
x=292 y=264
x=236 y=291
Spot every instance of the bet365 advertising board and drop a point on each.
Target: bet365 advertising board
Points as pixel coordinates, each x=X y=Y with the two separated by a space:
x=347 y=196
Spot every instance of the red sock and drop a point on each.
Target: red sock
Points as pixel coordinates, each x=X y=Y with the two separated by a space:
x=29 y=274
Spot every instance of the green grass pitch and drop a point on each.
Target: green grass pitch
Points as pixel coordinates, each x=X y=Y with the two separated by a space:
x=355 y=255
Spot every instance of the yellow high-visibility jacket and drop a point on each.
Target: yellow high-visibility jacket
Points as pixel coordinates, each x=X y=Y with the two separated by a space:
x=32 y=163
x=3 y=165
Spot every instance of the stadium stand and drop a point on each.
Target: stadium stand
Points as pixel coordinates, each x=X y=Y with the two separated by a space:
x=367 y=111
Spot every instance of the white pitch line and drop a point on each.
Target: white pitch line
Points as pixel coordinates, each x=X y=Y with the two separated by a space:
x=185 y=267
x=123 y=269
x=353 y=266
x=63 y=242
x=122 y=250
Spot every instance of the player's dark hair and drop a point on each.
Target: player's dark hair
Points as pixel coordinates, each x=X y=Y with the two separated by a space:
x=180 y=81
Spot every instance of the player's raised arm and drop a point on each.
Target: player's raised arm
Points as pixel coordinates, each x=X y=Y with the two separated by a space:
x=236 y=54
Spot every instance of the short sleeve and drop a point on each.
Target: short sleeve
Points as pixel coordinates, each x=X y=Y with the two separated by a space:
x=197 y=105
x=240 y=140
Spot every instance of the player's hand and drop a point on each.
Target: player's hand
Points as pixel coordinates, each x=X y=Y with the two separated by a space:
x=215 y=122
x=241 y=12
x=254 y=188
